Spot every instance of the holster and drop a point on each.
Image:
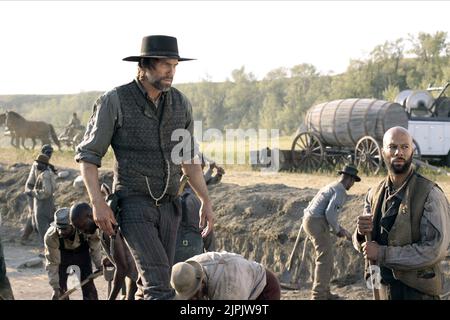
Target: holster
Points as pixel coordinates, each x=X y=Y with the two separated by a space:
x=112 y=200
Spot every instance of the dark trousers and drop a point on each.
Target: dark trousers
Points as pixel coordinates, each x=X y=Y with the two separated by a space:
x=400 y=291
x=151 y=232
x=272 y=290
x=81 y=259
x=43 y=215
x=29 y=224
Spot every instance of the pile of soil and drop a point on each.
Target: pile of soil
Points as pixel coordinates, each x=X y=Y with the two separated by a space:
x=13 y=201
x=260 y=221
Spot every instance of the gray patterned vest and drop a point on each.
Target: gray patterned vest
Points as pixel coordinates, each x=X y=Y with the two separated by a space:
x=143 y=143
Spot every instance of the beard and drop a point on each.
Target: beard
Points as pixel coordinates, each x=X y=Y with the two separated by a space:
x=157 y=82
x=399 y=168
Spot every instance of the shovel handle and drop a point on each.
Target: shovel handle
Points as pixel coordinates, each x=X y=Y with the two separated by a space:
x=92 y=276
x=375 y=292
x=294 y=250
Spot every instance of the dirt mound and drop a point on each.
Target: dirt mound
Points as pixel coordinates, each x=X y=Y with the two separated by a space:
x=13 y=201
x=259 y=221
x=262 y=221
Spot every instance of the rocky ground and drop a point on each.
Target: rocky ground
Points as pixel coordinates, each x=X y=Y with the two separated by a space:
x=257 y=216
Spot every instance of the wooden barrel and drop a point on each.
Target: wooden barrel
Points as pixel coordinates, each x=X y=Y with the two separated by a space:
x=343 y=122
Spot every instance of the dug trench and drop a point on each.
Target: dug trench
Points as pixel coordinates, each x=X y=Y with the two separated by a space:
x=259 y=221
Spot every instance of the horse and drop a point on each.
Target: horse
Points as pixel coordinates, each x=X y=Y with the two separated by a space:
x=30 y=129
x=8 y=132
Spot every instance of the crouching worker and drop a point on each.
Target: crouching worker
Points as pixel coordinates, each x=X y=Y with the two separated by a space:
x=115 y=248
x=223 y=276
x=64 y=247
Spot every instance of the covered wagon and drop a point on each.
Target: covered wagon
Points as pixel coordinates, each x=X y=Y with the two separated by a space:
x=337 y=130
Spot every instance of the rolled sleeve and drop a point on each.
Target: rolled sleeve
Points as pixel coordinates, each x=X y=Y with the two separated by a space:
x=434 y=233
x=100 y=129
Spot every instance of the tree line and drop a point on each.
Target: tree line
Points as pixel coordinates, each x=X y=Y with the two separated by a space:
x=281 y=99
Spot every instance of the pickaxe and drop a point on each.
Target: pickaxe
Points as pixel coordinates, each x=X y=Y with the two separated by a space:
x=92 y=276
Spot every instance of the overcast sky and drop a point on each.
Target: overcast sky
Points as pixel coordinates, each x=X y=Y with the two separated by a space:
x=68 y=47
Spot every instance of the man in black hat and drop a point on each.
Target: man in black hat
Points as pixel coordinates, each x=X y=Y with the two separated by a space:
x=44 y=179
x=321 y=217
x=138 y=120
x=64 y=247
x=30 y=225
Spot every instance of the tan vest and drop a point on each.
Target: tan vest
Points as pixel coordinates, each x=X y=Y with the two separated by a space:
x=406 y=230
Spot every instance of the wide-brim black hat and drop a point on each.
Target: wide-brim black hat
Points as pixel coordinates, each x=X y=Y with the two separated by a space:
x=43 y=158
x=158 y=47
x=351 y=171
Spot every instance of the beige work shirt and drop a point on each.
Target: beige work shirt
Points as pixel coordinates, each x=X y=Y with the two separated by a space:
x=230 y=276
x=53 y=254
x=45 y=184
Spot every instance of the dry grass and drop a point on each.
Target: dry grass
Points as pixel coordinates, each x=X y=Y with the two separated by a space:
x=239 y=174
x=61 y=159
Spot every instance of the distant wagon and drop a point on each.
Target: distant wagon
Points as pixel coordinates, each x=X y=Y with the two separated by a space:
x=336 y=130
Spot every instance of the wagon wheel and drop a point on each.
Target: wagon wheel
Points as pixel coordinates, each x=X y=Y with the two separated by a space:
x=307 y=151
x=368 y=155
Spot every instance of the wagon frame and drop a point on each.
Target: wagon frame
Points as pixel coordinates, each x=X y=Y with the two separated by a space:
x=309 y=152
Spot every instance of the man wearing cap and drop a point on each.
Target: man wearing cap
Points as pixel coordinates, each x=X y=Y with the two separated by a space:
x=143 y=121
x=319 y=219
x=118 y=253
x=407 y=217
x=64 y=247
x=30 y=225
x=223 y=276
